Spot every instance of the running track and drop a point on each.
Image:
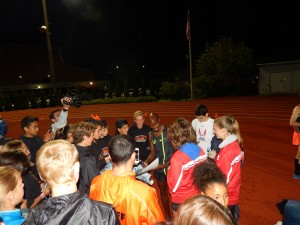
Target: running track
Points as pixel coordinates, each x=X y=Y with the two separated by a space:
x=264 y=123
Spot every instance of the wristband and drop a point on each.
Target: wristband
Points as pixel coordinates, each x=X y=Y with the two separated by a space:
x=42 y=195
x=65 y=110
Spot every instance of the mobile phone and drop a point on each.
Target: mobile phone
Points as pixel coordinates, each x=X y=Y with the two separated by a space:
x=137 y=156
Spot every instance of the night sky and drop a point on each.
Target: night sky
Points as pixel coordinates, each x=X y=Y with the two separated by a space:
x=99 y=35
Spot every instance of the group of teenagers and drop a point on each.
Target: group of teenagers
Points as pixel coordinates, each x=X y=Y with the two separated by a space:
x=65 y=178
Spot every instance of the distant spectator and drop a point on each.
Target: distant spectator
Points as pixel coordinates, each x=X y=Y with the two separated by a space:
x=3 y=127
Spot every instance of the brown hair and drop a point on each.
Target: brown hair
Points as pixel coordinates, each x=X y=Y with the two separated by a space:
x=181 y=131
x=202 y=210
x=231 y=125
x=82 y=129
x=8 y=180
x=12 y=146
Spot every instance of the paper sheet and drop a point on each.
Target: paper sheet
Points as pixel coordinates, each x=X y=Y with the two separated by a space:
x=151 y=166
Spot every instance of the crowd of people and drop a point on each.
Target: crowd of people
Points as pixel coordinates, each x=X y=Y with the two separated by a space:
x=79 y=174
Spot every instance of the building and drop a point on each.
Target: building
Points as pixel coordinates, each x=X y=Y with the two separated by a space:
x=279 y=78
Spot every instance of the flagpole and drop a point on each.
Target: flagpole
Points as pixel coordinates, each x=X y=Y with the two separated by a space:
x=188 y=35
x=191 y=74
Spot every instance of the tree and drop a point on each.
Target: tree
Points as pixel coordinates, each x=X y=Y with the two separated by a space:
x=225 y=68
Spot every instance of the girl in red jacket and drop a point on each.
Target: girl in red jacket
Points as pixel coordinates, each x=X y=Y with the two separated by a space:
x=230 y=158
x=183 y=161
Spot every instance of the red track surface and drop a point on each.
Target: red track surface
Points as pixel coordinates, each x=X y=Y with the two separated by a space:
x=264 y=123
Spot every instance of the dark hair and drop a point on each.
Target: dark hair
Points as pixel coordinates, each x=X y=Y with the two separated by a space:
x=201 y=110
x=207 y=173
x=62 y=133
x=103 y=123
x=121 y=148
x=120 y=123
x=51 y=116
x=16 y=159
x=182 y=131
x=26 y=121
x=94 y=121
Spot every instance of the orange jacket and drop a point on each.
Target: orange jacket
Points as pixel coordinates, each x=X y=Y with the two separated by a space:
x=134 y=201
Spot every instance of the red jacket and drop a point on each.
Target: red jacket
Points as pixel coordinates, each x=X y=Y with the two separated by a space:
x=180 y=173
x=230 y=161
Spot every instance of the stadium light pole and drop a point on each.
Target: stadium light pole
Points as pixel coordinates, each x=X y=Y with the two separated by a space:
x=49 y=47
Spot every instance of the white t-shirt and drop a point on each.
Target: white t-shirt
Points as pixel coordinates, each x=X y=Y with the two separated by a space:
x=204 y=132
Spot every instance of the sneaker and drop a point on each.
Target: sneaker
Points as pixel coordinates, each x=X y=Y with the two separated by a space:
x=295 y=176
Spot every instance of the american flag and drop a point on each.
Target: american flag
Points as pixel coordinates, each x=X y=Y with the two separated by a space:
x=188 y=31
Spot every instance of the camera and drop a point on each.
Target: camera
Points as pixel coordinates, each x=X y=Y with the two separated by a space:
x=74 y=100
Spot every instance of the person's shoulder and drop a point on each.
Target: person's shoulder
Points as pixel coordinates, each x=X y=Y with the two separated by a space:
x=211 y=120
x=142 y=189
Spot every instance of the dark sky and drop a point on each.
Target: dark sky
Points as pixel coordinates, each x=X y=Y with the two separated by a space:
x=102 y=34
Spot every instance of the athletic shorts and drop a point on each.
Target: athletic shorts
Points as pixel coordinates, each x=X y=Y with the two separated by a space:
x=296 y=138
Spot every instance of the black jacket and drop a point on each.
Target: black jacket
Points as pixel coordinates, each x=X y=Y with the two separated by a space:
x=72 y=209
x=89 y=168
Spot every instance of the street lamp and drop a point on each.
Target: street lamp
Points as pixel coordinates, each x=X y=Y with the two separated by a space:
x=49 y=47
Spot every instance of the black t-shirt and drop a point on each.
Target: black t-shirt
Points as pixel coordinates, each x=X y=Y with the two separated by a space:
x=33 y=144
x=32 y=188
x=140 y=136
x=103 y=143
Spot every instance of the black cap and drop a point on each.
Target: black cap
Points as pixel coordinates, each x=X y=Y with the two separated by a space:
x=120 y=123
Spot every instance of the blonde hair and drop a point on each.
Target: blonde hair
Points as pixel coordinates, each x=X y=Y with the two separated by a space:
x=231 y=125
x=202 y=210
x=138 y=113
x=55 y=161
x=9 y=178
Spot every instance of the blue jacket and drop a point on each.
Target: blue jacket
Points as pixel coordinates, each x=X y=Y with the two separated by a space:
x=12 y=217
